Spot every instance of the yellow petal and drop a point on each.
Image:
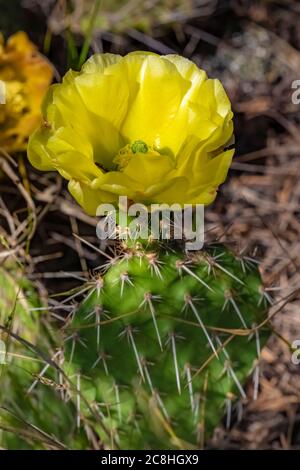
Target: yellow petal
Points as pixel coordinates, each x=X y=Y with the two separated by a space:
x=102 y=102
x=189 y=71
x=100 y=131
x=148 y=168
x=98 y=63
x=19 y=42
x=170 y=191
x=161 y=90
x=88 y=197
x=205 y=181
x=117 y=183
x=75 y=165
x=37 y=151
x=65 y=139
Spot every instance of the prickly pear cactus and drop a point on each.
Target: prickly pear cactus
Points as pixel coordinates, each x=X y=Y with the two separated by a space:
x=167 y=341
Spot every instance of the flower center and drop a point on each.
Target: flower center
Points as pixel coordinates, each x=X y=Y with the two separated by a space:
x=139 y=146
x=126 y=153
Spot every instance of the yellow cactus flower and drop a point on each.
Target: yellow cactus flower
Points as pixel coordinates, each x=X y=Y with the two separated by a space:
x=149 y=127
x=24 y=76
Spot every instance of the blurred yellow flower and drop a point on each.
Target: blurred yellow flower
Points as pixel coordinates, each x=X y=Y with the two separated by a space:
x=25 y=75
x=149 y=127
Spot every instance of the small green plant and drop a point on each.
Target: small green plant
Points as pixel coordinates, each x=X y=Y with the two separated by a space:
x=32 y=413
x=118 y=15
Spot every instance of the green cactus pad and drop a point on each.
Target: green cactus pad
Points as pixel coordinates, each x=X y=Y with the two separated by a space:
x=167 y=341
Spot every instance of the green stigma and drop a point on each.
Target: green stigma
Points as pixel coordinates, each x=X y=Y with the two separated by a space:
x=139 y=147
x=126 y=153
